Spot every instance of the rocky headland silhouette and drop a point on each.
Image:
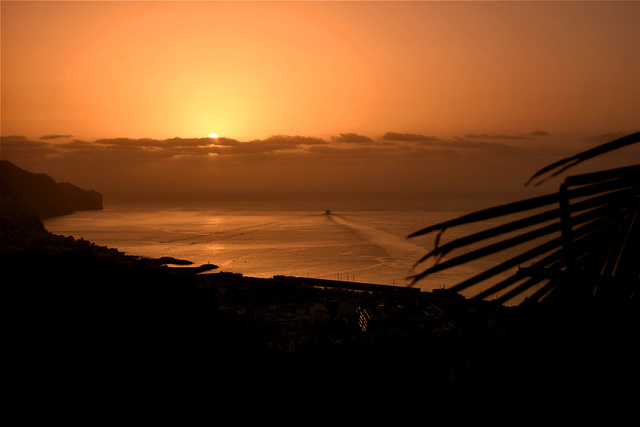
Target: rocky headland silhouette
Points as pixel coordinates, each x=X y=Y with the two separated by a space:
x=40 y=195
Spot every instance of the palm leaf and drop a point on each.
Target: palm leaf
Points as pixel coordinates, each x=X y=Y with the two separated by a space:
x=568 y=162
x=589 y=229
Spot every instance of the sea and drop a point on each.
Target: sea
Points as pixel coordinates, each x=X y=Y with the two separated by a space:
x=356 y=245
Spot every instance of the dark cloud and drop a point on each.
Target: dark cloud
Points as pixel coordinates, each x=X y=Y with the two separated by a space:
x=292 y=141
x=273 y=144
x=521 y=136
x=21 y=147
x=141 y=142
x=351 y=138
x=451 y=146
x=408 y=137
x=393 y=145
x=224 y=141
x=539 y=133
x=195 y=142
x=347 y=160
x=76 y=144
x=56 y=136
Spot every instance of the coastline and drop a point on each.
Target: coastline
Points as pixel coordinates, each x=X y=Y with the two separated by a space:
x=69 y=295
x=369 y=246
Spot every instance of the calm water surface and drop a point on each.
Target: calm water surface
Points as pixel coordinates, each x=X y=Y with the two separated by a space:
x=357 y=245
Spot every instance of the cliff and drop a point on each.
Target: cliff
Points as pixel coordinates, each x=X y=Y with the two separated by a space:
x=41 y=195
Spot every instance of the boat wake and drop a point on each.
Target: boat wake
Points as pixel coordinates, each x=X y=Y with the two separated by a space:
x=398 y=250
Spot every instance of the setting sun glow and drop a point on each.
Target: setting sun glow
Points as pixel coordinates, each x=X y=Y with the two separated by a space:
x=468 y=99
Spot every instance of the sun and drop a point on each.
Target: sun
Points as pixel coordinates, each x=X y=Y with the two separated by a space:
x=213 y=135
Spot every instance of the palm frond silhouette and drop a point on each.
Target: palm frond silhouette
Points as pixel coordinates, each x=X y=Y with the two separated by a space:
x=583 y=239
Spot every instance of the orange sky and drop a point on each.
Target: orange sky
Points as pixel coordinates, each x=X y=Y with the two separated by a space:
x=362 y=95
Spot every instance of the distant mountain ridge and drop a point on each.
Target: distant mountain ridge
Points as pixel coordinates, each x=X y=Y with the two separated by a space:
x=41 y=195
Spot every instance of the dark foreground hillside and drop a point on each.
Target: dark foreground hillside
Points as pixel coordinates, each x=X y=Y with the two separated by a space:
x=75 y=308
x=77 y=305
x=87 y=309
